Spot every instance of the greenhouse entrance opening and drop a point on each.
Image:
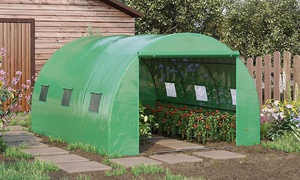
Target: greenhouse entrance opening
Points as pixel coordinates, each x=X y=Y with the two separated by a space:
x=186 y=89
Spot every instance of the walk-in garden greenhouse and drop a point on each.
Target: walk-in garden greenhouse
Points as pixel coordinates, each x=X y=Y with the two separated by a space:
x=89 y=90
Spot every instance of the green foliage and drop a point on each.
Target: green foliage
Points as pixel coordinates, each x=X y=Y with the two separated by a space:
x=170 y=176
x=146 y=169
x=83 y=177
x=257 y=27
x=3 y=146
x=117 y=170
x=15 y=152
x=287 y=143
x=253 y=27
x=146 y=122
x=35 y=170
x=264 y=129
x=56 y=139
x=83 y=147
x=166 y=17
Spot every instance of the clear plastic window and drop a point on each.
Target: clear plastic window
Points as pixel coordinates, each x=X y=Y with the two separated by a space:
x=66 y=97
x=171 y=90
x=201 y=94
x=44 y=92
x=233 y=96
x=95 y=102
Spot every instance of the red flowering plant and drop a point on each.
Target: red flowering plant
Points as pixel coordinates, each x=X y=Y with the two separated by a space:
x=193 y=124
x=10 y=95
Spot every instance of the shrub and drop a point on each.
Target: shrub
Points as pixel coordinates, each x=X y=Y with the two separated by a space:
x=10 y=96
x=282 y=117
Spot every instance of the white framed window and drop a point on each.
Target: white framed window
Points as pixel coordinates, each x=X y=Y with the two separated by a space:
x=201 y=94
x=171 y=90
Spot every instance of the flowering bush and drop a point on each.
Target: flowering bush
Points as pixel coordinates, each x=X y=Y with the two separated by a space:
x=193 y=124
x=10 y=95
x=146 y=122
x=282 y=117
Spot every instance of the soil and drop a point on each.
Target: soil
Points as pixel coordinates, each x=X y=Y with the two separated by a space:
x=260 y=163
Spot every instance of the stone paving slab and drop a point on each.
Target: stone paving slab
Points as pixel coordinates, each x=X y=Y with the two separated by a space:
x=182 y=145
x=67 y=158
x=79 y=167
x=21 y=138
x=17 y=133
x=14 y=128
x=176 y=158
x=162 y=141
x=135 y=161
x=46 y=151
x=30 y=144
x=219 y=154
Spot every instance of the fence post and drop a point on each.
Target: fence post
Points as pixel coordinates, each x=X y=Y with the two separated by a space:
x=267 y=84
x=286 y=70
x=296 y=73
x=259 y=79
x=276 y=75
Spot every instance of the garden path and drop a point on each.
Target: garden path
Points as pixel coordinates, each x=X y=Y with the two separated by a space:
x=72 y=163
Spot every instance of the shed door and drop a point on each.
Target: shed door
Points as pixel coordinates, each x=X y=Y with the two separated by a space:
x=17 y=37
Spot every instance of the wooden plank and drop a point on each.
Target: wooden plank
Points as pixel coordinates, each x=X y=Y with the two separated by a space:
x=62 y=13
x=286 y=70
x=296 y=76
x=101 y=8
x=54 y=39
x=268 y=84
x=52 y=2
x=42 y=56
x=45 y=50
x=259 y=79
x=83 y=29
x=84 y=24
x=72 y=19
x=49 y=45
x=276 y=75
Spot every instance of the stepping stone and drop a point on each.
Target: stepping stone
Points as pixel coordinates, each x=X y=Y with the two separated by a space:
x=20 y=138
x=219 y=154
x=135 y=161
x=79 y=167
x=46 y=151
x=17 y=133
x=58 y=159
x=163 y=141
x=30 y=144
x=176 y=158
x=14 y=128
x=182 y=145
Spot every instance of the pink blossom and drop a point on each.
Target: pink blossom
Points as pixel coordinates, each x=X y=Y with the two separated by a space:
x=28 y=82
x=2 y=72
x=19 y=73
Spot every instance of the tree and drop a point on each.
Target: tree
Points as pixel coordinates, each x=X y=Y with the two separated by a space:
x=258 y=27
x=253 y=27
x=174 y=16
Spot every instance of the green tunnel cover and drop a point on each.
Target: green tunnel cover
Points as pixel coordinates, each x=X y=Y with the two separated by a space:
x=89 y=90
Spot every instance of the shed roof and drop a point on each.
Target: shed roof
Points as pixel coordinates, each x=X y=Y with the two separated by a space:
x=122 y=7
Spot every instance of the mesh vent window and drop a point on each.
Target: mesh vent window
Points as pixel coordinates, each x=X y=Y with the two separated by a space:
x=43 y=94
x=66 y=97
x=95 y=102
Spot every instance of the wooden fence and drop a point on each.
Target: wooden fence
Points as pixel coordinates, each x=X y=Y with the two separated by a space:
x=275 y=75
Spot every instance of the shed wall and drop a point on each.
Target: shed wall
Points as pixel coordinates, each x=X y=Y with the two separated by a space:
x=58 y=22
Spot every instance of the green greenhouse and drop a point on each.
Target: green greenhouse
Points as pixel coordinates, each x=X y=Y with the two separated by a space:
x=89 y=90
